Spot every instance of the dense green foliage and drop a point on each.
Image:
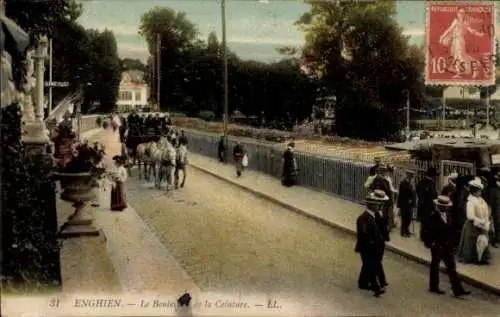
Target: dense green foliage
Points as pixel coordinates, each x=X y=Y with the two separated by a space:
x=192 y=75
x=81 y=57
x=30 y=252
x=354 y=51
x=358 y=52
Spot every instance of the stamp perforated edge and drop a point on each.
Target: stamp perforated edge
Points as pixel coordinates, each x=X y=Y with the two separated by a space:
x=477 y=83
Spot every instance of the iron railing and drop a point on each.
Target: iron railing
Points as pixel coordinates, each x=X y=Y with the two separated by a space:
x=337 y=176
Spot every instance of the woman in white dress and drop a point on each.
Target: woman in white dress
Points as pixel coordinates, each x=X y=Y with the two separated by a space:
x=474 y=242
x=119 y=173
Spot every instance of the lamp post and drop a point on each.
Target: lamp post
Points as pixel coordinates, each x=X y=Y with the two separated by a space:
x=407 y=114
x=40 y=55
x=224 y=56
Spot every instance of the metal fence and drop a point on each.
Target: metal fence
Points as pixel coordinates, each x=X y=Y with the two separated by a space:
x=338 y=176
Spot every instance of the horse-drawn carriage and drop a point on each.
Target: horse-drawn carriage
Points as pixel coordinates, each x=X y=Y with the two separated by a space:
x=153 y=150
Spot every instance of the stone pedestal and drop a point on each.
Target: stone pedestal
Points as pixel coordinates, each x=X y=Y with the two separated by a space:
x=77 y=188
x=80 y=223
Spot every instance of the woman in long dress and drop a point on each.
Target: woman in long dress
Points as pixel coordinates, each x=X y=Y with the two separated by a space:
x=289 y=175
x=474 y=242
x=118 y=201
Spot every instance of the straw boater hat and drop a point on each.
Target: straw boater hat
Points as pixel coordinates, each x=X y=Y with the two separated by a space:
x=377 y=197
x=453 y=176
x=476 y=183
x=443 y=201
x=410 y=172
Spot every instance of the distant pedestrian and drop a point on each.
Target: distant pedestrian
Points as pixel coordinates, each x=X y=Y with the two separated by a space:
x=370 y=243
x=384 y=231
x=374 y=168
x=119 y=173
x=239 y=153
x=426 y=193
x=183 y=140
x=221 y=149
x=449 y=189
x=495 y=209
x=407 y=201
x=439 y=239
x=289 y=174
x=382 y=181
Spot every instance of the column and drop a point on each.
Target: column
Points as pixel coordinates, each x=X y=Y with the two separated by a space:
x=36 y=135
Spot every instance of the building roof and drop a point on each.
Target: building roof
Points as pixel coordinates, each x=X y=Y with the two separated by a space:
x=133 y=76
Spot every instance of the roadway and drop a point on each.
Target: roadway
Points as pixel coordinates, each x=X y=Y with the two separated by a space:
x=228 y=240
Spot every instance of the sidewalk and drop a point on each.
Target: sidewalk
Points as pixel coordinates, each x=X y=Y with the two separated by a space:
x=341 y=214
x=140 y=260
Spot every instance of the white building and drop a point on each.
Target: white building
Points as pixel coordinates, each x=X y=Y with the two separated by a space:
x=133 y=93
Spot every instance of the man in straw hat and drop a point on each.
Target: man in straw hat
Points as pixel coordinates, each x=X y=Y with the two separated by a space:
x=439 y=238
x=370 y=243
x=407 y=200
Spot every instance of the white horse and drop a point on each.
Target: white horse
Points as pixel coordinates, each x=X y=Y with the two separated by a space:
x=143 y=155
x=163 y=155
x=181 y=164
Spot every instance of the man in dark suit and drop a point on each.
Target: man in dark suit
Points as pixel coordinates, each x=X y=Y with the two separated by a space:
x=406 y=202
x=370 y=243
x=439 y=238
x=426 y=192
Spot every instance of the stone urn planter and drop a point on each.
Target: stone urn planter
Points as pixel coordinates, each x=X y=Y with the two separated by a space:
x=77 y=188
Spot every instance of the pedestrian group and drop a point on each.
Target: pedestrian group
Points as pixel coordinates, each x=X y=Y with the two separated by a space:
x=457 y=223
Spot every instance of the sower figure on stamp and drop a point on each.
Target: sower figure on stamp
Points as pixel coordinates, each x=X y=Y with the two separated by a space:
x=370 y=243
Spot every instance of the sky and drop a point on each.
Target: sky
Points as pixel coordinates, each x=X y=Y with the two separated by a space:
x=255 y=28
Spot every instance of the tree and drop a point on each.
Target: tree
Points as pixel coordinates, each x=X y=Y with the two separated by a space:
x=133 y=64
x=42 y=17
x=103 y=72
x=178 y=37
x=357 y=49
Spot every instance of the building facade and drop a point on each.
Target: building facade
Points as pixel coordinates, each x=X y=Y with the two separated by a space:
x=133 y=92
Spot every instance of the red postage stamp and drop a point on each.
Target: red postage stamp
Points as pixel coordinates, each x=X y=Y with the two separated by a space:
x=460 y=43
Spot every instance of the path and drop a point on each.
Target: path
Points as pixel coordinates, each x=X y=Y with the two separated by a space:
x=341 y=214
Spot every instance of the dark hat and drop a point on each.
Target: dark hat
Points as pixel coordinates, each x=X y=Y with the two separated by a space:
x=117 y=158
x=377 y=197
x=443 y=201
x=292 y=144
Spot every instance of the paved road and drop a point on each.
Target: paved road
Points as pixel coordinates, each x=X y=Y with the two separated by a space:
x=230 y=241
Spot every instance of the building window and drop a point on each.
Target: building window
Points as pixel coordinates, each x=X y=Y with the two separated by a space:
x=126 y=95
x=138 y=96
